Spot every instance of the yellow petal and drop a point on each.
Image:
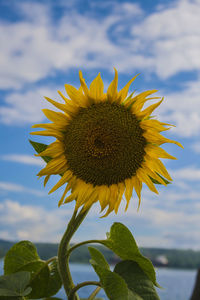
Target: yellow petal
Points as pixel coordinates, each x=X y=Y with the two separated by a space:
x=82 y=189
x=148 y=111
x=113 y=198
x=156 y=138
x=53 y=150
x=56 y=134
x=75 y=95
x=129 y=191
x=104 y=193
x=157 y=165
x=153 y=125
x=112 y=89
x=157 y=152
x=96 y=88
x=124 y=92
x=68 y=187
x=60 y=106
x=71 y=106
x=142 y=176
x=64 y=179
x=65 y=98
x=51 y=126
x=71 y=197
x=140 y=99
x=83 y=84
x=121 y=188
x=152 y=174
x=46 y=179
x=128 y=102
x=55 y=116
x=54 y=166
x=138 y=187
x=90 y=201
x=85 y=193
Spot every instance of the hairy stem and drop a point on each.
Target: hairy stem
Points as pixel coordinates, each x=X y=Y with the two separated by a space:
x=63 y=256
x=80 y=285
x=83 y=243
x=92 y=296
x=51 y=259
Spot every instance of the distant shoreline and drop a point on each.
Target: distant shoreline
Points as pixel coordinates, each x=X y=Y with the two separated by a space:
x=88 y=264
x=160 y=257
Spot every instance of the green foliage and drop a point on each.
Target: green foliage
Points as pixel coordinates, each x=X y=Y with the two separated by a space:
x=45 y=279
x=157 y=182
x=134 y=277
x=19 y=255
x=127 y=282
x=114 y=286
x=176 y=258
x=14 y=285
x=136 y=280
x=52 y=298
x=97 y=256
x=39 y=147
x=121 y=241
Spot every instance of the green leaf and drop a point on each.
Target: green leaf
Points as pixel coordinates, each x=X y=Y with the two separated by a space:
x=45 y=279
x=133 y=296
x=113 y=284
x=15 y=285
x=39 y=279
x=39 y=147
x=121 y=241
x=137 y=281
x=54 y=283
x=98 y=257
x=53 y=298
x=19 y=255
x=157 y=182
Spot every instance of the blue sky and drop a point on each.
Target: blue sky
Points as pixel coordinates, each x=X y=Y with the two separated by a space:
x=43 y=45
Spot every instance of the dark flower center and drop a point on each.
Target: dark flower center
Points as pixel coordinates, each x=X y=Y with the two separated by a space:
x=104 y=144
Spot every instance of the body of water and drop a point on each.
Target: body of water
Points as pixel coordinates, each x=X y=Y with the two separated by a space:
x=177 y=284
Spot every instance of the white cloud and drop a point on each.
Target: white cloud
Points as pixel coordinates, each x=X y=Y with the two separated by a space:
x=172 y=35
x=182 y=109
x=24 y=159
x=164 y=42
x=35 y=48
x=18 y=188
x=167 y=217
x=37 y=224
x=187 y=173
x=25 y=107
x=31 y=222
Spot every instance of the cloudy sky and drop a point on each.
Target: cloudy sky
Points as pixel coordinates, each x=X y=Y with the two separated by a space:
x=43 y=44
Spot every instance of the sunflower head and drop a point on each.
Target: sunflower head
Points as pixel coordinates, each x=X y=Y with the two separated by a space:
x=106 y=144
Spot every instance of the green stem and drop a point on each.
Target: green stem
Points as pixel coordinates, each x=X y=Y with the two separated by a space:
x=80 y=285
x=51 y=259
x=94 y=293
x=63 y=255
x=83 y=243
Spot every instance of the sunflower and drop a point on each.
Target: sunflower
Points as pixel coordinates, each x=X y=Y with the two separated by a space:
x=105 y=146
